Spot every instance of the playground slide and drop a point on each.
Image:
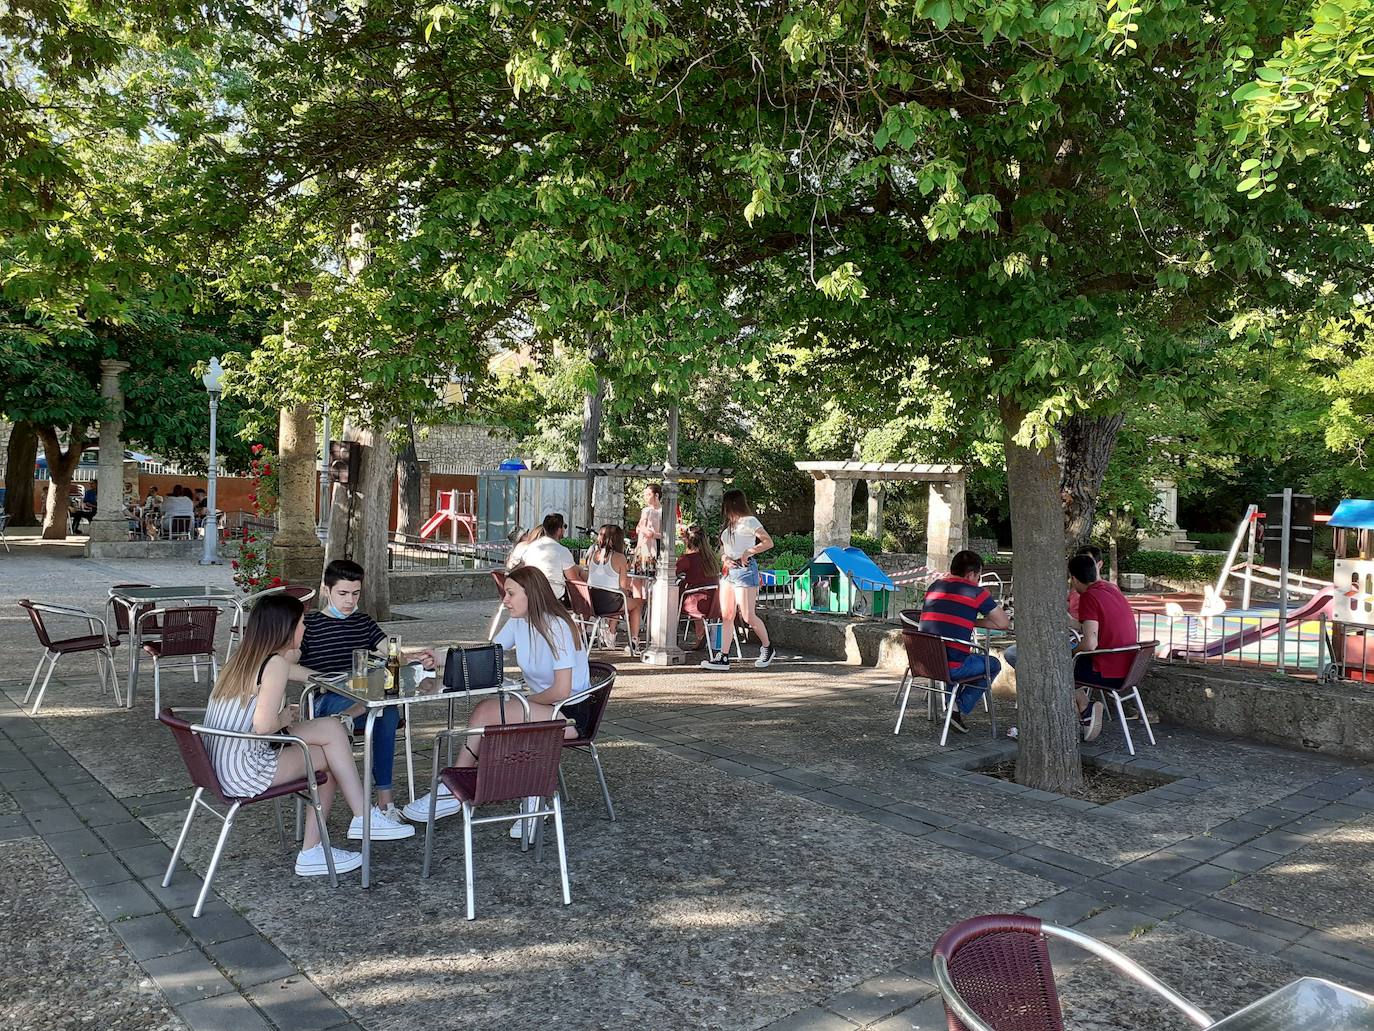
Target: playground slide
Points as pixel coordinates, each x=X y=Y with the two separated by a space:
x=1320 y=604
x=433 y=523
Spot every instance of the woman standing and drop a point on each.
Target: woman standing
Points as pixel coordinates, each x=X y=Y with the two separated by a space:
x=741 y=538
x=608 y=572
x=249 y=698
x=649 y=529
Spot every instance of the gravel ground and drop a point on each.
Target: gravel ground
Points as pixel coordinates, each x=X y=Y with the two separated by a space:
x=61 y=966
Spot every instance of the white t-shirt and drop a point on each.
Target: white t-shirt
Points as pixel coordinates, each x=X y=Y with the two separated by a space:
x=550 y=558
x=735 y=542
x=537 y=660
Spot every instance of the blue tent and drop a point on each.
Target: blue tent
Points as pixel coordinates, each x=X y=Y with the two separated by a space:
x=842 y=580
x=1353 y=514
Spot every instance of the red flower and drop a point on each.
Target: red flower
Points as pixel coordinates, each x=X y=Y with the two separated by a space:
x=234 y=564
x=276 y=581
x=266 y=469
x=257 y=449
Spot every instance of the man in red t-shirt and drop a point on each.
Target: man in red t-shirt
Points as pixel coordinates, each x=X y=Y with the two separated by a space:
x=1108 y=622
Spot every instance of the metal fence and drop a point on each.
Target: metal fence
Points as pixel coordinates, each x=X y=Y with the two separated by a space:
x=408 y=554
x=1252 y=641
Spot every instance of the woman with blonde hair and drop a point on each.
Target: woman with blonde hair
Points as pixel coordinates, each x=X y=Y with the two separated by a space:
x=249 y=698
x=608 y=571
x=553 y=658
x=741 y=538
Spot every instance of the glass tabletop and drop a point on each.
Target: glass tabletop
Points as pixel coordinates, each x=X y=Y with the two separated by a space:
x=1308 y=1004
x=417 y=685
x=170 y=593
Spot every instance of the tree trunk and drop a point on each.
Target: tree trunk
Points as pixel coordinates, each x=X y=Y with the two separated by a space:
x=19 y=462
x=61 y=466
x=589 y=441
x=1048 y=756
x=408 y=500
x=1113 y=552
x=364 y=517
x=1086 y=446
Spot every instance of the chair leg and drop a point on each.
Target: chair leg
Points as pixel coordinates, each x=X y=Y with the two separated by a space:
x=601 y=776
x=904 y=693
x=992 y=713
x=195 y=670
x=410 y=757
x=281 y=824
x=114 y=677
x=562 y=851
x=467 y=858
x=950 y=699
x=1140 y=708
x=181 y=839
x=1125 y=727
x=429 y=831
x=47 y=655
x=324 y=835
x=562 y=782
x=539 y=836
x=214 y=670
x=52 y=665
x=214 y=859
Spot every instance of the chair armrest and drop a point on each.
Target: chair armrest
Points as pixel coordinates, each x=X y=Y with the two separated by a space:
x=281 y=739
x=71 y=610
x=972 y=646
x=1117 y=651
x=574 y=699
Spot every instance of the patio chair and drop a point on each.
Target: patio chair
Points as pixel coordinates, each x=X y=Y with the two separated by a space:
x=589 y=724
x=584 y=611
x=518 y=760
x=186 y=633
x=4 y=518
x=498 y=577
x=1130 y=687
x=926 y=660
x=118 y=614
x=709 y=592
x=179 y=528
x=97 y=639
x=994 y=974
x=190 y=739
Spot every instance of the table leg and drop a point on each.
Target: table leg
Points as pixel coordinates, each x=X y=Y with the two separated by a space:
x=367 y=795
x=135 y=647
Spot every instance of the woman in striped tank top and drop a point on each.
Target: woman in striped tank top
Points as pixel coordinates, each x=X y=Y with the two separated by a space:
x=249 y=697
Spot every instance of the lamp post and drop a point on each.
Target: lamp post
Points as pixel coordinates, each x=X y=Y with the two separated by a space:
x=213 y=375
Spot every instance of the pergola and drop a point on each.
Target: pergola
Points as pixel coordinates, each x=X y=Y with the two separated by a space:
x=608 y=486
x=946 y=519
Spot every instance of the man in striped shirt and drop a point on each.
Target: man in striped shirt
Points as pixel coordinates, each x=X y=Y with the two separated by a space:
x=327 y=647
x=953 y=605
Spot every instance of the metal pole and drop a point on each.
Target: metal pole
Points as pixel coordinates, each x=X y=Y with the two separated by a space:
x=1249 y=557
x=210 y=528
x=1283 y=575
x=322 y=524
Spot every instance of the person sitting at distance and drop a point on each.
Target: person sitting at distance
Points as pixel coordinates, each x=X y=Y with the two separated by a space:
x=1108 y=621
x=953 y=606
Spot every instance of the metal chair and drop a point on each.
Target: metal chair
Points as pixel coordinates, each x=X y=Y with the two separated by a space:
x=588 y=722
x=187 y=633
x=994 y=974
x=97 y=640
x=123 y=616
x=4 y=518
x=584 y=611
x=926 y=659
x=180 y=527
x=1129 y=688
x=709 y=593
x=305 y=595
x=190 y=739
x=498 y=577
x=519 y=760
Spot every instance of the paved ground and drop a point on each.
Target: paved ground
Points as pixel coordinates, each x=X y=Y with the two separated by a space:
x=779 y=860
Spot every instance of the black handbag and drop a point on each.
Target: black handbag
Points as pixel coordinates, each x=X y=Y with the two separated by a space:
x=479 y=668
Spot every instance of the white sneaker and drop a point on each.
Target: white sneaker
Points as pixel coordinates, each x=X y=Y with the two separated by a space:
x=384 y=828
x=607 y=638
x=446 y=805
x=517 y=829
x=310 y=862
x=392 y=813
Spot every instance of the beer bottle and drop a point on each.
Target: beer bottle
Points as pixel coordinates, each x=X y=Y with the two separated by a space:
x=393 y=667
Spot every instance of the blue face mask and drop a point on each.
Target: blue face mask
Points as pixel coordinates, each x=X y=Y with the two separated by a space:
x=333 y=610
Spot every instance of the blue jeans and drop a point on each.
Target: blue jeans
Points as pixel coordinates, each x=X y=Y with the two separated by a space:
x=982 y=668
x=383 y=734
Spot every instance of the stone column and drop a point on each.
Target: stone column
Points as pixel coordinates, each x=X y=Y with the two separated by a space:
x=608 y=500
x=875 y=510
x=110 y=524
x=296 y=545
x=426 y=492
x=663 y=649
x=831 y=522
x=945 y=523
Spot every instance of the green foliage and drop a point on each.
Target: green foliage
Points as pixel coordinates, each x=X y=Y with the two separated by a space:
x=1174 y=565
x=791 y=561
x=868 y=545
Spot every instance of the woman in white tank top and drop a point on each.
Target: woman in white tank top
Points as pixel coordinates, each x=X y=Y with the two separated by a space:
x=608 y=571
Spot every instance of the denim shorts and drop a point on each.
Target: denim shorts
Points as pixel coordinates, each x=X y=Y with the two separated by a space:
x=744 y=576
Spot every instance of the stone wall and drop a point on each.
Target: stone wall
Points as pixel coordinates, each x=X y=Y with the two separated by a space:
x=466 y=449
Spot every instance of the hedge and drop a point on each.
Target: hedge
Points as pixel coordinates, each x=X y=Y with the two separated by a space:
x=1174 y=565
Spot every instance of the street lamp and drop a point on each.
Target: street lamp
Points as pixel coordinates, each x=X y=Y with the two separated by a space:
x=210 y=528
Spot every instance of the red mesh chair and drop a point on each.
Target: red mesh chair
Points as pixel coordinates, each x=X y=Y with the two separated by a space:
x=587 y=719
x=305 y=595
x=518 y=760
x=190 y=739
x=186 y=633
x=994 y=974
x=498 y=577
x=1130 y=687
x=926 y=660
x=96 y=639
x=122 y=616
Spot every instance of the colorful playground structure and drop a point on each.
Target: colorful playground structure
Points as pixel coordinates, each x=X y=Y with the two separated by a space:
x=457 y=508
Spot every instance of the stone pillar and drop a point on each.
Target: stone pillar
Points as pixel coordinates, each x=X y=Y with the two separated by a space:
x=945 y=523
x=875 y=510
x=709 y=494
x=296 y=545
x=608 y=500
x=663 y=649
x=110 y=524
x=426 y=491
x=831 y=525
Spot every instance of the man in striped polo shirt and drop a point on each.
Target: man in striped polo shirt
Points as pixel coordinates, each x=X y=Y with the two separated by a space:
x=953 y=605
